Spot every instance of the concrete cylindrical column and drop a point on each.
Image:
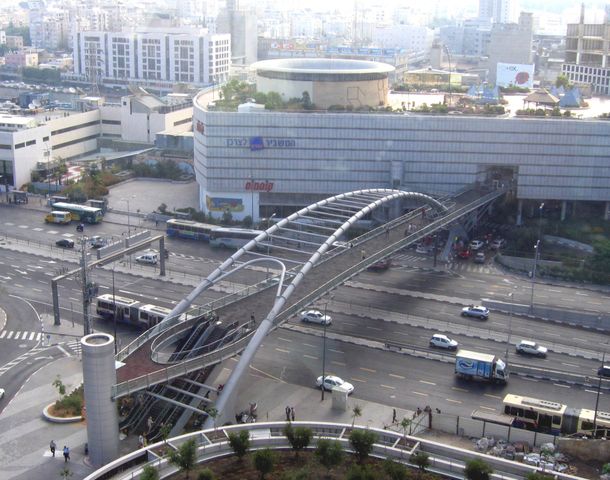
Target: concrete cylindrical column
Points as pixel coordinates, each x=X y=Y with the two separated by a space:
x=99 y=375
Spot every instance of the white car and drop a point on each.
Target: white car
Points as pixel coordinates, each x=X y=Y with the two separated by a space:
x=477 y=311
x=426 y=249
x=331 y=381
x=531 y=348
x=1 y=393
x=476 y=245
x=315 y=316
x=443 y=341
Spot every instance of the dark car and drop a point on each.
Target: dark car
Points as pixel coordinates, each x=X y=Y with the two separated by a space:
x=604 y=371
x=65 y=243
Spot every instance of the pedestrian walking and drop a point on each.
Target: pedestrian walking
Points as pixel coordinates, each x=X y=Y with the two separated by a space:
x=292 y=413
x=150 y=423
x=66 y=454
x=141 y=440
x=363 y=254
x=387 y=233
x=393 y=415
x=287 y=410
x=52 y=446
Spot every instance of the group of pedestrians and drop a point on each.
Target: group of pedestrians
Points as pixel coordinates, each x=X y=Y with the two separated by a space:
x=53 y=446
x=290 y=416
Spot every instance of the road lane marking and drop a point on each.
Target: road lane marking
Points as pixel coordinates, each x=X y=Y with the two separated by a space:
x=32 y=335
x=339 y=363
x=420 y=393
x=374 y=328
x=354 y=379
x=282 y=350
x=309 y=345
x=529 y=379
x=426 y=382
x=310 y=356
x=396 y=376
x=370 y=370
x=284 y=339
x=458 y=389
x=552 y=290
x=336 y=351
x=349 y=323
x=570 y=364
x=487 y=408
x=452 y=400
x=497 y=397
x=582 y=294
x=593 y=391
x=387 y=386
x=10 y=335
x=562 y=386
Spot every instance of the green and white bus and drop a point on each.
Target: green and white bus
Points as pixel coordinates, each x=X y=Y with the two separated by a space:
x=80 y=213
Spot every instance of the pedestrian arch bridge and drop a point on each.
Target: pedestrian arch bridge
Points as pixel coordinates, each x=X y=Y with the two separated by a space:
x=300 y=259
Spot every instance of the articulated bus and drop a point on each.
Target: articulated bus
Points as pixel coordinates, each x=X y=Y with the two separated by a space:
x=80 y=213
x=189 y=229
x=235 y=238
x=553 y=417
x=129 y=311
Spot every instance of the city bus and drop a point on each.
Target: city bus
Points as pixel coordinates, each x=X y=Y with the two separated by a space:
x=189 y=229
x=234 y=238
x=80 y=213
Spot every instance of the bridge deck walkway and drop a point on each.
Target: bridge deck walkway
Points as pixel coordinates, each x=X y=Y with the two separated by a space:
x=140 y=362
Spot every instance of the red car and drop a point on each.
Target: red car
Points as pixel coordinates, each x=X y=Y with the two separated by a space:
x=465 y=254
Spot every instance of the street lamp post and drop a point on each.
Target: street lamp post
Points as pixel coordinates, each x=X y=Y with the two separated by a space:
x=510 y=324
x=599 y=388
x=114 y=310
x=446 y=48
x=324 y=347
x=536 y=253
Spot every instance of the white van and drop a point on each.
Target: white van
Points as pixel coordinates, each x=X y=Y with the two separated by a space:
x=150 y=258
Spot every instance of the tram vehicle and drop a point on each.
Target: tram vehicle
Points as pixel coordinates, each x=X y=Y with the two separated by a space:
x=129 y=311
x=188 y=229
x=554 y=417
x=235 y=238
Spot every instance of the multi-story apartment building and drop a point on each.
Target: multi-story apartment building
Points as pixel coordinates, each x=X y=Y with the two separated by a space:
x=498 y=11
x=510 y=43
x=587 y=54
x=153 y=55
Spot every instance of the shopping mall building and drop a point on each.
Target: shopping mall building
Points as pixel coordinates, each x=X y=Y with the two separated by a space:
x=257 y=162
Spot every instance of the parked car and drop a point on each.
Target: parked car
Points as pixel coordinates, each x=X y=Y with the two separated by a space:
x=443 y=341
x=315 y=316
x=498 y=243
x=479 y=257
x=476 y=311
x=529 y=347
x=65 y=243
x=604 y=371
x=476 y=245
x=331 y=381
x=464 y=254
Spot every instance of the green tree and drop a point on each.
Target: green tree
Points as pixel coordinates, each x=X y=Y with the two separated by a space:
x=421 y=460
x=65 y=473
x=213 y=413
x=247 y=221
x=361 y=472
x=185 y=456
x=538 y=476
x=299 y=437
x=206 y=474
x=599 y=262
x=240 y=443
x=356 y=412
x=227 y=217
x=329 y=453
x=59 y=385
x=264 y=461
x=562 y=81
x=274 y=101
x=395 y=470
x=149 y=473
x=477 y=469
x=606 y=468
x=164 y=431
x=362 y=442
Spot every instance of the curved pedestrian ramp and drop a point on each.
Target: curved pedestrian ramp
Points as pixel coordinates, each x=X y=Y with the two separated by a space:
x=301 y=258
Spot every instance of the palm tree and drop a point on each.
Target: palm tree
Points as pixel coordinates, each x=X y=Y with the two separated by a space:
x=356 y=412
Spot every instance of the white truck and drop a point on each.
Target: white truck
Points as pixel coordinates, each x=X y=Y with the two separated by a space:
x=471 y=365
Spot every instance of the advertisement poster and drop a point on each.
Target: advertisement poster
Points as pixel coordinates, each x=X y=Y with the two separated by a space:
x=220 y=204
x=513 y=74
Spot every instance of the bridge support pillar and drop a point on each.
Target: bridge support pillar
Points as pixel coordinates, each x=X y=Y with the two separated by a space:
x=564 y=207
x=99 y=375
x=519 y=213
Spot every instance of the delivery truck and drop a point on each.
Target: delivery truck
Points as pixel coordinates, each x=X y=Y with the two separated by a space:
x=484 y=366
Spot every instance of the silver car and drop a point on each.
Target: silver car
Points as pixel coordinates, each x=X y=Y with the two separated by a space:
x=315 y=316
x=476 y=311
x=529 y=347
x=443 y=341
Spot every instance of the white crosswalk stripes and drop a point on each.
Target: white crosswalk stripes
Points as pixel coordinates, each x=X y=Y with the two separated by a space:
x=74 y=346
x=22 y=336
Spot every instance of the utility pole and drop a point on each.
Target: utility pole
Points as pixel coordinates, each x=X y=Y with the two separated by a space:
x=85 y=286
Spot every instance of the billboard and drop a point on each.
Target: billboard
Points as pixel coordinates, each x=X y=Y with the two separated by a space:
x=514 y=74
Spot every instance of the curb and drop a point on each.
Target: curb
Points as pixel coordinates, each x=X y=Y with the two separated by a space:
x=53 y=419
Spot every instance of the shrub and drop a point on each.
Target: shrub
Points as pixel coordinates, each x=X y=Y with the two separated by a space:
x=329 y=453
x=149 y=473
x=299 y=437
x=206 y=474
x=362 y=442
x=185 y=456
x=363 y=472
x=421 y=460
x=264 y=460
x=538 y=476
x=477 y=469
x=395 y=470
x=240 y=443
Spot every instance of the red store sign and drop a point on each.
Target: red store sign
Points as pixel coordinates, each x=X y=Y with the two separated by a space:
x=252 y=186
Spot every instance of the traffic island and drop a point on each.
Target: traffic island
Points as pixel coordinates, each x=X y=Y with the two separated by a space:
x=51 y=414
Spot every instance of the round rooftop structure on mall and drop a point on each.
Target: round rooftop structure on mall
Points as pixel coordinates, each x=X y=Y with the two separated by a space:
x=355 y=83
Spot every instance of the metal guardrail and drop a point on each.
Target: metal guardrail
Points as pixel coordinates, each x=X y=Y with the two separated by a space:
x=445 y=460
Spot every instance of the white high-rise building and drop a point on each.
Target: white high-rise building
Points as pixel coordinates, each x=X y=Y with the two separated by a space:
x=166 y=55
x=498 y=11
